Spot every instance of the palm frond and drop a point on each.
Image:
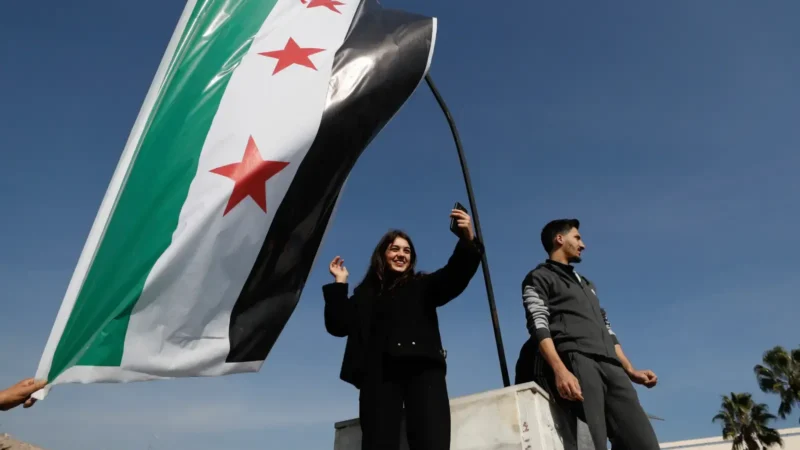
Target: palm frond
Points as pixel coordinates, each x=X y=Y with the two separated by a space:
x=796 y=357
x=787 y=404
x=770 y=437
x=767 y=380
x=752 y=443
x=780 y=374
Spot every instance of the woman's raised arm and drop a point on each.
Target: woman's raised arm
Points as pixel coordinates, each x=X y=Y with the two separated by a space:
x=339 y=309
x=450 y=281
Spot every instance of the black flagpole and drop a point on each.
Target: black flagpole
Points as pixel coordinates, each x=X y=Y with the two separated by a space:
x=485 y=264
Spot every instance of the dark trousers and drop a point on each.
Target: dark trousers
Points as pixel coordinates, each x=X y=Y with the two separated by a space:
x=610 y=406
x=418 y=385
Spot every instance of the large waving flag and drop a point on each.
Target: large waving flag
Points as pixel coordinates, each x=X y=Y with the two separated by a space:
x=224 y=191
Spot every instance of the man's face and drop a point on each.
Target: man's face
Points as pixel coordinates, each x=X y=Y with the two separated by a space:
x=572 y=245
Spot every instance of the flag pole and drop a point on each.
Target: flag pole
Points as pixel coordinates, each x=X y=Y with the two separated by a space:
x=484 y=262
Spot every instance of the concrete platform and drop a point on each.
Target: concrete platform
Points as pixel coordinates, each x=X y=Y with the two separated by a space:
x=513 y=418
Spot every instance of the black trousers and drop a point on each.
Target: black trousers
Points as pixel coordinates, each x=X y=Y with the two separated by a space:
x=610 y=406
x=418 y=385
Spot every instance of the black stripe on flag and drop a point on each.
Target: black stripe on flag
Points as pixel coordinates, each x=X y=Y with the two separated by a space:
x=397 y=44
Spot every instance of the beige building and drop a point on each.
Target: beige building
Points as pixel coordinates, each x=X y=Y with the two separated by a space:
x=791 y=441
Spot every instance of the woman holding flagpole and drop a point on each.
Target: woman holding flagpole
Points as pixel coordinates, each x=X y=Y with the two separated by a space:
x=394 y=352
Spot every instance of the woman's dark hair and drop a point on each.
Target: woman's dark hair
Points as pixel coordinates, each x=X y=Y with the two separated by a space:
x=376 y=276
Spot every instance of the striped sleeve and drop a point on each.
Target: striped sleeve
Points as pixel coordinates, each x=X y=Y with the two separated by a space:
x=608 y=327
x=537 y=312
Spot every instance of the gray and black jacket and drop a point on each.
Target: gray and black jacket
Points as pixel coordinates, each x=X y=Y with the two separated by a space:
x=562 y=305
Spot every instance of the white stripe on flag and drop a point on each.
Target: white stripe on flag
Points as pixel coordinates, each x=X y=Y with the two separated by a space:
x=80 y=374
x=179 y=326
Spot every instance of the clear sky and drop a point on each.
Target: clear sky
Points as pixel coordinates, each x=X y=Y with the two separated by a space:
x=669 y=128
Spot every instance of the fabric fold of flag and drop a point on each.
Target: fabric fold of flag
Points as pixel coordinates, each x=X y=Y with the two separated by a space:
x=227 y=184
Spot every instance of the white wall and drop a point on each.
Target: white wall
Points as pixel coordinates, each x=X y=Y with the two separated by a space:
x=791 y=441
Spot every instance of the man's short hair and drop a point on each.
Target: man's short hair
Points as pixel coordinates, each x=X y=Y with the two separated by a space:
x=554 y=228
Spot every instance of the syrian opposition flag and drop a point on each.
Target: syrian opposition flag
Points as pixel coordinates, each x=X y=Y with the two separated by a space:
x=216 y=211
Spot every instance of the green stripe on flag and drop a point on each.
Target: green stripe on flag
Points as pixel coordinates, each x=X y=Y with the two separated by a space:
x=217 y=36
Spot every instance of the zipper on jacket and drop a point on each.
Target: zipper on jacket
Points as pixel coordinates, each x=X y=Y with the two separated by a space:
x=603 y=330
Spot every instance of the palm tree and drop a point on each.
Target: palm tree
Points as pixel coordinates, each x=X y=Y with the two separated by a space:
x=780 y=375
x=747 y=423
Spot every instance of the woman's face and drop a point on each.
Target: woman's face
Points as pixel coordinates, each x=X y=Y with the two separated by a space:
x=398 y=255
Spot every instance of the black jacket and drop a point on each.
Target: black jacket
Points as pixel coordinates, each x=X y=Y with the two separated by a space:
x=562 y=305
x=411 y=325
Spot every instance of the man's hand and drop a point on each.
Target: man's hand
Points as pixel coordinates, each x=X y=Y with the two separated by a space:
x=644 y=377
x=568 y=386
x=20 y=394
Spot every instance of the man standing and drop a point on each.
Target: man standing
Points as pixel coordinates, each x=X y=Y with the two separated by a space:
x=589 y=372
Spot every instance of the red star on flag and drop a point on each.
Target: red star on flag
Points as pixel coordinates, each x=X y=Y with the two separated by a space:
x=292 y=54
x=250 y=177
x=330 y=4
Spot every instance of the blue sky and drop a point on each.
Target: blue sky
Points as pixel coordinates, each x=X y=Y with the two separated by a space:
x=668 y=128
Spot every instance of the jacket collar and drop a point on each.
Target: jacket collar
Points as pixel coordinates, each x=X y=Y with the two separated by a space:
x=565 y=271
